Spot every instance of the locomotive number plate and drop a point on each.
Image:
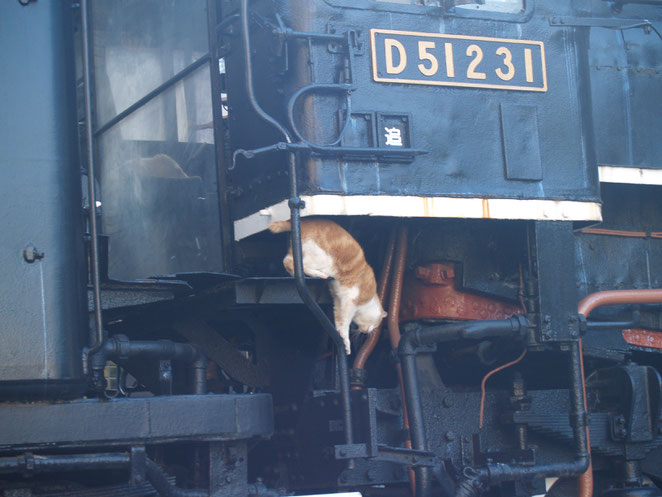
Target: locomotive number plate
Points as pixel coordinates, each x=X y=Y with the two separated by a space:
x=456 y=60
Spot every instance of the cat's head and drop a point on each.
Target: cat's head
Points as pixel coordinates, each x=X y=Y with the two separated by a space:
x=369 y=316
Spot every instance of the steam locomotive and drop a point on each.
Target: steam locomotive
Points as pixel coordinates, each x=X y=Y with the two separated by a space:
x=500 y=163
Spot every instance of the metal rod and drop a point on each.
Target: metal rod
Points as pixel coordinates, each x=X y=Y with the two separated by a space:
x=248 y=72
x=91 y=172
x=608 y=325
x=295 y=205
x=32 y=463
x=289 y=34
x=154 y=93
x=220 y=137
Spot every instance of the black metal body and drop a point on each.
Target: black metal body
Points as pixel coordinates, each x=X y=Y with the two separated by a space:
x=199 y=360
x=43 y=310
x=449 y=131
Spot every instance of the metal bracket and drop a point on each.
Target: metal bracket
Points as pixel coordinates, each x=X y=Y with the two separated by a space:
x=410 y=457
x=601 y=22
x=137 y=468
x=361 y=153
x=398 y=455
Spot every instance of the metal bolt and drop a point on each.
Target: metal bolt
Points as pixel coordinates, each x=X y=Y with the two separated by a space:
x=448 y=401
x=342 y=453
x=450 y=436
x=228 y=479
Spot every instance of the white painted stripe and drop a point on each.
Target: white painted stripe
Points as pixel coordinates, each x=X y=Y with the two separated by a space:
x=423 y=207
x=631 y=175
x=346 y=494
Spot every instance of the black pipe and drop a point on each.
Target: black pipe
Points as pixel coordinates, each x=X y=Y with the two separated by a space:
x=425 y=336
x=92 y=199
x=295 y=205
x=31 y=463
x=497 y=473
x=199 y=367
x=248 y=73
x=609 y=325
x=119 y=347
x=159 y=480
x=478 y=330
x=494 y=473
x=344 y=89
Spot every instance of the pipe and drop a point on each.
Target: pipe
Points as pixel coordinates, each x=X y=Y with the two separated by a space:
x=119 y=347
x=31 y=463
x=497 y=472
x=92 y=200
x=407 y=350
x=248 y=73
x=394 y=337
x=618 y=297
x=199 y=367
x=587 y=305
x=514 y=327
x=396 y=287
x=295 y=204
x=159 y=480
x=373 y=338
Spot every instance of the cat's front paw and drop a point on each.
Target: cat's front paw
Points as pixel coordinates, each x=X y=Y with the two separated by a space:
x=348 y=346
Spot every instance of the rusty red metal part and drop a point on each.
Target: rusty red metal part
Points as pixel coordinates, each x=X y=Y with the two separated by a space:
x=623 y=233
x=643 y=338
x=430 y=293
x=373 y=338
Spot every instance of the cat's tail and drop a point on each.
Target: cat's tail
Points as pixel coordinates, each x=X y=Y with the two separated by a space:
x=280 y=227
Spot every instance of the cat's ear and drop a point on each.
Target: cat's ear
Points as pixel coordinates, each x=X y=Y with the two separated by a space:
x=384 y=314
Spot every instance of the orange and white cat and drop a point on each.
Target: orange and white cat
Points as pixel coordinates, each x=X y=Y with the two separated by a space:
x=330 y=252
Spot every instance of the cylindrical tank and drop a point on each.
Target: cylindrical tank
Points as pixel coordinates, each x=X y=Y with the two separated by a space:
x=42 y=282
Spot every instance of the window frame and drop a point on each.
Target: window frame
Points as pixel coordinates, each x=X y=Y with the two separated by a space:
x=452 y=12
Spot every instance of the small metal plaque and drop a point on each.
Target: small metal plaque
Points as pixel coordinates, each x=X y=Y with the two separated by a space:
x=456 y=60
